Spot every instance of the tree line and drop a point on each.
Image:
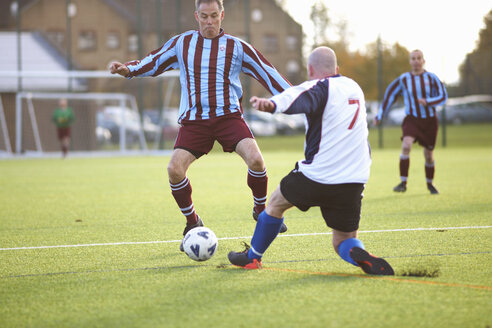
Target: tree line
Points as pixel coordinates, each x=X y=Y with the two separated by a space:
x=362 y=66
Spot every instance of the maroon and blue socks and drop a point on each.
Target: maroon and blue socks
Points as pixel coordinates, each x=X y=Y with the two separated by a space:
x=404 y=166
x=258 y=182
x=182 y=194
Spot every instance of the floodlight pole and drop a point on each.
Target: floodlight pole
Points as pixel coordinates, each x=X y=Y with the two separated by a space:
x=140 y=54
x=178 y=16
x=69 y=41
x=380 y=89
x=160 y=84
x=19 y=55
x=18 y=123
x=443 y=125
x=247 y=23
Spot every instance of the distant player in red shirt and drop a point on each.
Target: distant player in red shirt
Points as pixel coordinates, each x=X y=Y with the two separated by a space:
x=422 y=91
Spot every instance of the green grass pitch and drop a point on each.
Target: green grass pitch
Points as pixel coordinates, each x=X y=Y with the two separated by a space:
x=124 y=269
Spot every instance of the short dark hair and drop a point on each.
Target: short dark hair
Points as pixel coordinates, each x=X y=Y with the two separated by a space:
x=219 y=2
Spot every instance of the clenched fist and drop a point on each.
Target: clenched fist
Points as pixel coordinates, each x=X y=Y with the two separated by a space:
x=119 y=68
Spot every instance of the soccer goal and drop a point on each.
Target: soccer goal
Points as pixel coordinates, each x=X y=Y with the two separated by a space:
x=103 y=121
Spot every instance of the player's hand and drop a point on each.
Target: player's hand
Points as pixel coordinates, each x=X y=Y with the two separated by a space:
x=376 y=121
x=119 y=68
x=262 y=104
x=423 y=102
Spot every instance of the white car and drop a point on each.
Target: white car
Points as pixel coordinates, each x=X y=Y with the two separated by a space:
x=395 y=116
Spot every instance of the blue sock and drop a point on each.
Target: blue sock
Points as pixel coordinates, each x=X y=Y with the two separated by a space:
x=267 y=228
x=345 y=247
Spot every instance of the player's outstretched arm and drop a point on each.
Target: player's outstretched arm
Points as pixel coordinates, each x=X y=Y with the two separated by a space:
x=262 y=104
x=119 y=68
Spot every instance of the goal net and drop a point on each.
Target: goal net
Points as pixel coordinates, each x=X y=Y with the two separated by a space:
x=108 y=122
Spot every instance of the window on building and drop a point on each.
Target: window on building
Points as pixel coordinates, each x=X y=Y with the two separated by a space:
x=87 y=40
x=291 y=42
x=293 y=70
x=56 y=36
x=113 y=40
x=293 y=67
x=270 y=43
x=133 y=43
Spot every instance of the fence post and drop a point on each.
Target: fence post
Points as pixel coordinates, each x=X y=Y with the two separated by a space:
x=443 y=125
x=380 y=89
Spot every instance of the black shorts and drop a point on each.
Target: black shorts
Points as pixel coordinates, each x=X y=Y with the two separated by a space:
x=340 y=203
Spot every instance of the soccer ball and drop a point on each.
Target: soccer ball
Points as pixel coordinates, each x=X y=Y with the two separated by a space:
x=200 y=243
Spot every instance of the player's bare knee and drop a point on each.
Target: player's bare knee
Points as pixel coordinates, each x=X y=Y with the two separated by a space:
x=175 y=172
x=274 y=210
x=277 y=204
x=406 y=148
x=255 y=162
x=429 y=156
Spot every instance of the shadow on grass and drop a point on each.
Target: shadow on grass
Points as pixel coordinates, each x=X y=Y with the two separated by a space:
x=223 y=266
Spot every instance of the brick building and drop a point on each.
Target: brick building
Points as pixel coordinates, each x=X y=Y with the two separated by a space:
x=105 y=30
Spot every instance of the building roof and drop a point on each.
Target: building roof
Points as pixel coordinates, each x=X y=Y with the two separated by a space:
x=37 y=55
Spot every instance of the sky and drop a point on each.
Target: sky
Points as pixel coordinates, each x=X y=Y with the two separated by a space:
x=444 y=30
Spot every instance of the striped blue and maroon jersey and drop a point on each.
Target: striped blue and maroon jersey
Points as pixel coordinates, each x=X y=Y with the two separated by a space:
x=209 y=72
x=414 y=87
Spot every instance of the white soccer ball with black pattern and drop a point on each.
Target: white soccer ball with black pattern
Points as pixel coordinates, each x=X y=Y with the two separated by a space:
x=200 y=243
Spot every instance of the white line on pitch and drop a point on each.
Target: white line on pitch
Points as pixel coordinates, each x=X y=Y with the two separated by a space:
x=235 y=238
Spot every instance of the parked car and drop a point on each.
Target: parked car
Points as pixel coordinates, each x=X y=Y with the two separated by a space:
x=289 y=124
x=261 y=124
x=395 y=116
x=168 y=122
x=103 y=135
x=111 y=118
x=476 y=108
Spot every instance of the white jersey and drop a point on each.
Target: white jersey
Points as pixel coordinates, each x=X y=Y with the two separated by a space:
x=336 y=148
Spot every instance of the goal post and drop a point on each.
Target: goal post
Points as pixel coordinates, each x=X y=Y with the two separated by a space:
x=33 y=130
x=3 y=127
x=123 y=101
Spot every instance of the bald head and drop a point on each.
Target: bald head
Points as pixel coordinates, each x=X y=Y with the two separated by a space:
x=322 y=62
x=417 y=62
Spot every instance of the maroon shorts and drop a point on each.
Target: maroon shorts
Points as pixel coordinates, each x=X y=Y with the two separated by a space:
x=198 y=137
x=64 y=132
x=424 y=130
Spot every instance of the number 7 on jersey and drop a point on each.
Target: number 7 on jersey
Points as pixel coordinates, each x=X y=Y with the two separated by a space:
x=352 y=102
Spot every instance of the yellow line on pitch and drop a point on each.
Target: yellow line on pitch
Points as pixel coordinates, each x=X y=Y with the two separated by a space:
x=413 y=281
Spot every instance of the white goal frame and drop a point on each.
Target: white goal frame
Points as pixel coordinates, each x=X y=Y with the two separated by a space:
x=123 y=99
x=3 y=127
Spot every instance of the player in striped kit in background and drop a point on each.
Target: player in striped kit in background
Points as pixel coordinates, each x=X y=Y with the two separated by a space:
x=422 y=91
x=210 y=62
